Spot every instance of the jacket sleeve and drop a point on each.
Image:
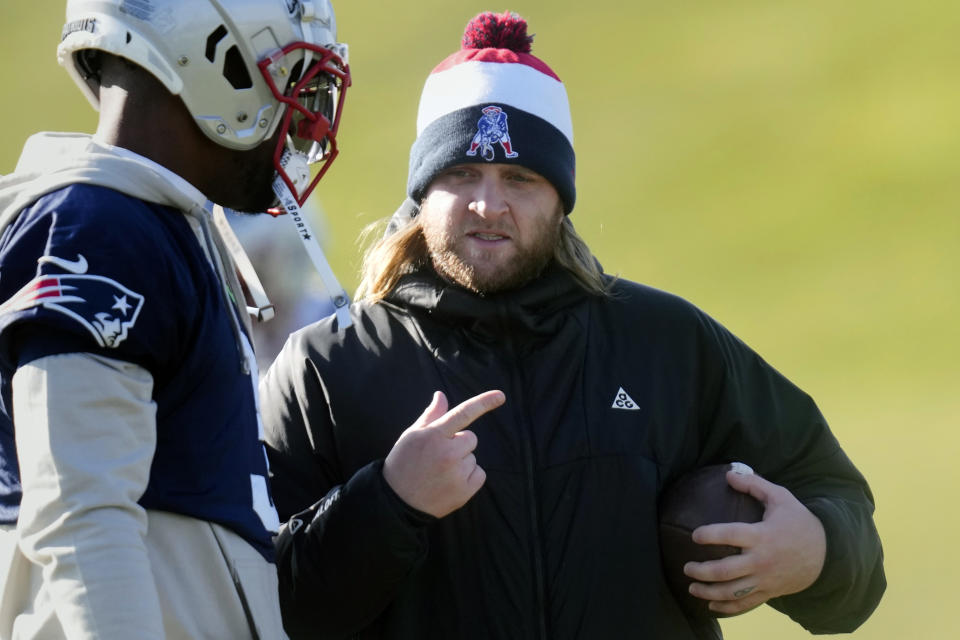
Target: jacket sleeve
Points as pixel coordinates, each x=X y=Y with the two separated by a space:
x=342 y=558
x=754 y=414
x=86 y=434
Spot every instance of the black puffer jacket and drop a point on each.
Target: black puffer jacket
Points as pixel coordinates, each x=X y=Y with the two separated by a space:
x=561 y=542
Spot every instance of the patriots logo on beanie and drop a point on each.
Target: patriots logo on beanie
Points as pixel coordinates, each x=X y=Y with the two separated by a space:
x=494 y=101
x=492 y=128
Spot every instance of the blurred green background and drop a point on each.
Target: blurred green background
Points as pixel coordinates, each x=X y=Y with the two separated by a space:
x=791 y=167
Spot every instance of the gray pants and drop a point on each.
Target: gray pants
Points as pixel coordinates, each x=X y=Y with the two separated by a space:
x=196 y=566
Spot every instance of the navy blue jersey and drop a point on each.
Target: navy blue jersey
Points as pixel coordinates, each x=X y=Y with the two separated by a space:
x=87 y=269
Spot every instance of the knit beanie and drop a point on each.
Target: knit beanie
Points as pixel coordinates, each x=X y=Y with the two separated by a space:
x=493 y=101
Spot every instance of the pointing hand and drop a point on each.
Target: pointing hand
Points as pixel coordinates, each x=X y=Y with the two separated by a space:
x=431 y=466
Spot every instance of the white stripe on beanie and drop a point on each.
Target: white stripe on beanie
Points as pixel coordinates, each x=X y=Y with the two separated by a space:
x=515 y=84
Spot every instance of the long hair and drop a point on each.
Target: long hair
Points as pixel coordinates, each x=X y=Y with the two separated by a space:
x=389 y=258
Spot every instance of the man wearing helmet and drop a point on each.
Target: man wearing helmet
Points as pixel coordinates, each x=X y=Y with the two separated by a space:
x=133 y=482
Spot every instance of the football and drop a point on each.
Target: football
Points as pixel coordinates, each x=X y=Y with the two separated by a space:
x=699 y=497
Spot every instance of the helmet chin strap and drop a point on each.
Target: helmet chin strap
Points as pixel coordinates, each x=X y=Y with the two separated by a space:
x=296 y=168
x=262 y=309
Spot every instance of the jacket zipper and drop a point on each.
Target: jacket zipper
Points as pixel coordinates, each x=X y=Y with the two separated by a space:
x=530 y=475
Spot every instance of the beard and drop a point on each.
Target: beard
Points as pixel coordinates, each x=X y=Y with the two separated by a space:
x=524 y=265
x=255 y=189
x=244 y=182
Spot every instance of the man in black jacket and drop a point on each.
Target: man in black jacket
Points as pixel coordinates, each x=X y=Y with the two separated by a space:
x=530 y=509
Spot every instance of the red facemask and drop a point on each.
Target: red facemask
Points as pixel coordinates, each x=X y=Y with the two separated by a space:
x=314 y=101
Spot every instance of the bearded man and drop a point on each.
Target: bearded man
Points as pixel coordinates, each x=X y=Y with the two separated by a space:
x=529 y=510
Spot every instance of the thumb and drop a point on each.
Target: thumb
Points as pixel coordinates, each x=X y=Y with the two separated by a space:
x=752 y=484
x=437 y=407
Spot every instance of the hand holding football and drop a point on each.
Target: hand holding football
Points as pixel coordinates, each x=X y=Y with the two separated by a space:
x=697 y=498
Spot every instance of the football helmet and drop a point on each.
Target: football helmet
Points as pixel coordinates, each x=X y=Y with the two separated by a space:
x=241 y=67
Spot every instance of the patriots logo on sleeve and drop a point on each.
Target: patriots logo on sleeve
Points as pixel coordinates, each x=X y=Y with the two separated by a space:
x=103 y=306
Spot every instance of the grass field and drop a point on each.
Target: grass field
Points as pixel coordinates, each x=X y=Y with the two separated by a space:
x=791 y=167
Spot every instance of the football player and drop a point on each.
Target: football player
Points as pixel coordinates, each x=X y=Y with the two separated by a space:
x=133 y=482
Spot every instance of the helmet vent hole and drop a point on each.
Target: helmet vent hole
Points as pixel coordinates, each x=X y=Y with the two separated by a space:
x=235 y=71
x=213 y=39
x=129 y=37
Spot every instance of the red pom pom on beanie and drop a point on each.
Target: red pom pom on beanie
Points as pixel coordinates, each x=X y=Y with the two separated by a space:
x=497 y=31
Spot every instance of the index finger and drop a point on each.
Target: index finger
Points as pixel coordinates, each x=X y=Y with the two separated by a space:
x=464 y=414
x=735 y=534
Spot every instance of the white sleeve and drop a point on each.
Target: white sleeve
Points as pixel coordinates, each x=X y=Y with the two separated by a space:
x=86 y=434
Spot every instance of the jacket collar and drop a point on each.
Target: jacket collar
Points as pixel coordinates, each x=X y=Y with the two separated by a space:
x=534 y=308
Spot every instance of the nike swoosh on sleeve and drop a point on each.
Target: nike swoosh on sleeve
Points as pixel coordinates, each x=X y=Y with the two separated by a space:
x=77 y=266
